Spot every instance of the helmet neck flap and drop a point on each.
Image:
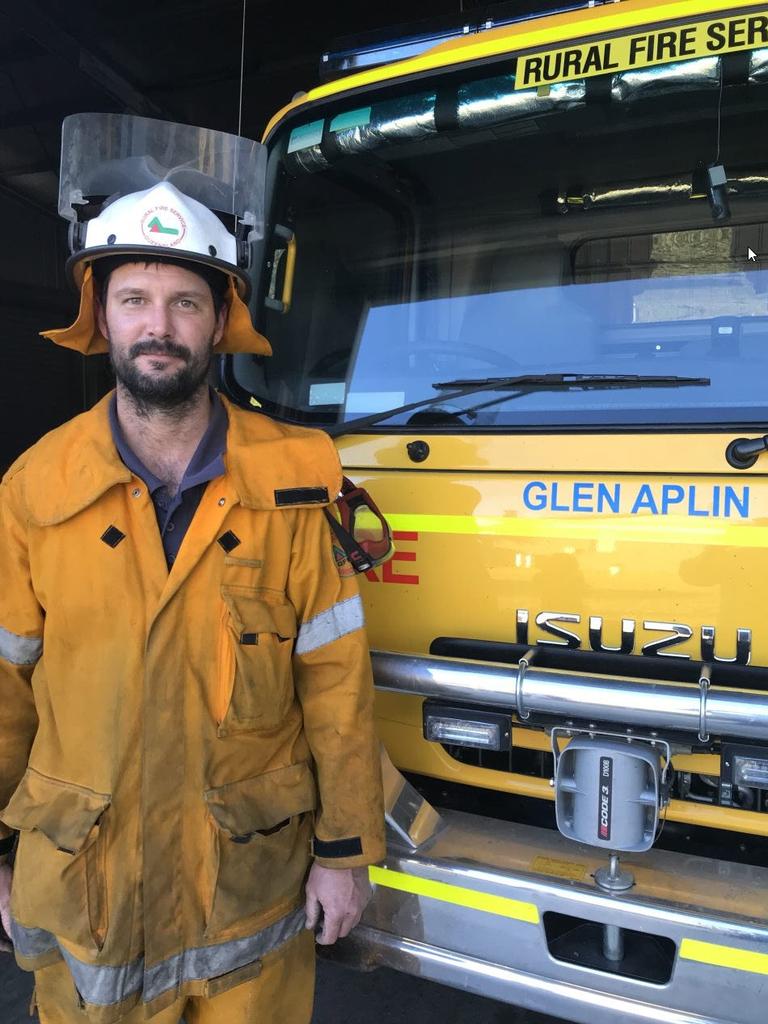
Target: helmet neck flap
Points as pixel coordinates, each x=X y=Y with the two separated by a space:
x=85 y=336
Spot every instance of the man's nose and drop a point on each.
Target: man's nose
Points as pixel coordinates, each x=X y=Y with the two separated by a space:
x=159 y=320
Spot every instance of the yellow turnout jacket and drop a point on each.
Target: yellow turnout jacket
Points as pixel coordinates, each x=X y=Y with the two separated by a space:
x=174 y=747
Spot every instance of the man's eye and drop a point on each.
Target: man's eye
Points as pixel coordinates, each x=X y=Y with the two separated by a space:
x=134 y=300
x=187 y=304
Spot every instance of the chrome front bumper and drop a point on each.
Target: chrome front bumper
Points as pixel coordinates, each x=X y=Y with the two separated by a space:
x=470 y=908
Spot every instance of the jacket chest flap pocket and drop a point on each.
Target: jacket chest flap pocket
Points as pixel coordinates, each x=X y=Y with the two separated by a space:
x=255 y=677
x=261 y=835
x=59 y=881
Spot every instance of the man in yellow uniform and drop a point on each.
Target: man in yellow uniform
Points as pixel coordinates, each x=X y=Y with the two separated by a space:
x=187 y=751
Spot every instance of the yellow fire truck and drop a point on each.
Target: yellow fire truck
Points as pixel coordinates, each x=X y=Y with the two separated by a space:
x=522 y=276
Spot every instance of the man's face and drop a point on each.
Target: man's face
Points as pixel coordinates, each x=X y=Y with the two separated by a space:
x=161 y=325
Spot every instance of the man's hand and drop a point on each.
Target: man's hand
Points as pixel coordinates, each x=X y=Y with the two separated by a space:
x=341 y=895
x=6 y=876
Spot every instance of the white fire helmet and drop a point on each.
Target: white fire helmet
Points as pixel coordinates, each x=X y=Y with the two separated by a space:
x=160 y=221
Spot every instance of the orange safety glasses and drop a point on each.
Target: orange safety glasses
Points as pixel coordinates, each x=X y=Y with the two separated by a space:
x=360 y=528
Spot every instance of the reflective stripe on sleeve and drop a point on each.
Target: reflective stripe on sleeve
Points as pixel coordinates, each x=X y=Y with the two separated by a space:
x=20 y=650
x=344 y=617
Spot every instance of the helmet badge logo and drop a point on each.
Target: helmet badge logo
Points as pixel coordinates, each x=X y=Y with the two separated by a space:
x=162 y=225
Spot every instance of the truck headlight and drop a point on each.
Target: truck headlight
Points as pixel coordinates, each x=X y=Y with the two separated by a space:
x=751 y=771
x=741 y=766
x=465 y=727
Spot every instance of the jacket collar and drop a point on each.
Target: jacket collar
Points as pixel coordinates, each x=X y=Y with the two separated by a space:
x=73 y=466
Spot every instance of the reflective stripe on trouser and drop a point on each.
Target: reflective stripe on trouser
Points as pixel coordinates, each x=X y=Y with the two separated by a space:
x=20 y=650
x=279 y=991
x=104 y=985
x=332 y=624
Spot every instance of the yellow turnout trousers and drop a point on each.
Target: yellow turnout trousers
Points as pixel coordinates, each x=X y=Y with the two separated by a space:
x=278 y=990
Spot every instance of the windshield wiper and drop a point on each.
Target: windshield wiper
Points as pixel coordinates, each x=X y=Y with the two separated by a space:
x=522 y=383
x=575 y=380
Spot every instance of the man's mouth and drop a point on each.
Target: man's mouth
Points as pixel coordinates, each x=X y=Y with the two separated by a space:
x=161 y=353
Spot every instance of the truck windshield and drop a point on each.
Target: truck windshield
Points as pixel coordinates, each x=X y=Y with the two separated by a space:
x=577 y=239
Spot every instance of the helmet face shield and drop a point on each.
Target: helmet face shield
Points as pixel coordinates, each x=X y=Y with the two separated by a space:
x=105 y=156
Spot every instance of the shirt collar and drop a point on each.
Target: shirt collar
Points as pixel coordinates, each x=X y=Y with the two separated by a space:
x=207 y=462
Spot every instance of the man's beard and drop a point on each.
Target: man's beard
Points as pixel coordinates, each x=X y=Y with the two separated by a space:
x=167 y=392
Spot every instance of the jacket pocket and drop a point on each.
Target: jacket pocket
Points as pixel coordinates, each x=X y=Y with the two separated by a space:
x=262 y=830
x=59 y=881
x=255 y=687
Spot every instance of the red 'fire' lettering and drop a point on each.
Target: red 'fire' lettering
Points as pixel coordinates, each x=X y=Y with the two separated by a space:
x=388 y=574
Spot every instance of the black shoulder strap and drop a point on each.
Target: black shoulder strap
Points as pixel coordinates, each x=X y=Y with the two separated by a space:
x=358 y=558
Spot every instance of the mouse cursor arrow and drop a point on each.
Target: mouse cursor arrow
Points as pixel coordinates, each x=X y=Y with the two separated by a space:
x=751 y=255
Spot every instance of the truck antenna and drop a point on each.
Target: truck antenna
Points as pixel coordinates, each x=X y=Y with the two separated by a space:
x=242 y=70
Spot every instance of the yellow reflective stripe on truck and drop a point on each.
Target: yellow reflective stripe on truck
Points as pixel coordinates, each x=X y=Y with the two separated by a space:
x=627 y=529
x=456 y=894
x=724 y=956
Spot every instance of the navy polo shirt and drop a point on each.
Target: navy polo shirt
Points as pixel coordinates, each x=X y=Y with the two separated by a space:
x=174 y=514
